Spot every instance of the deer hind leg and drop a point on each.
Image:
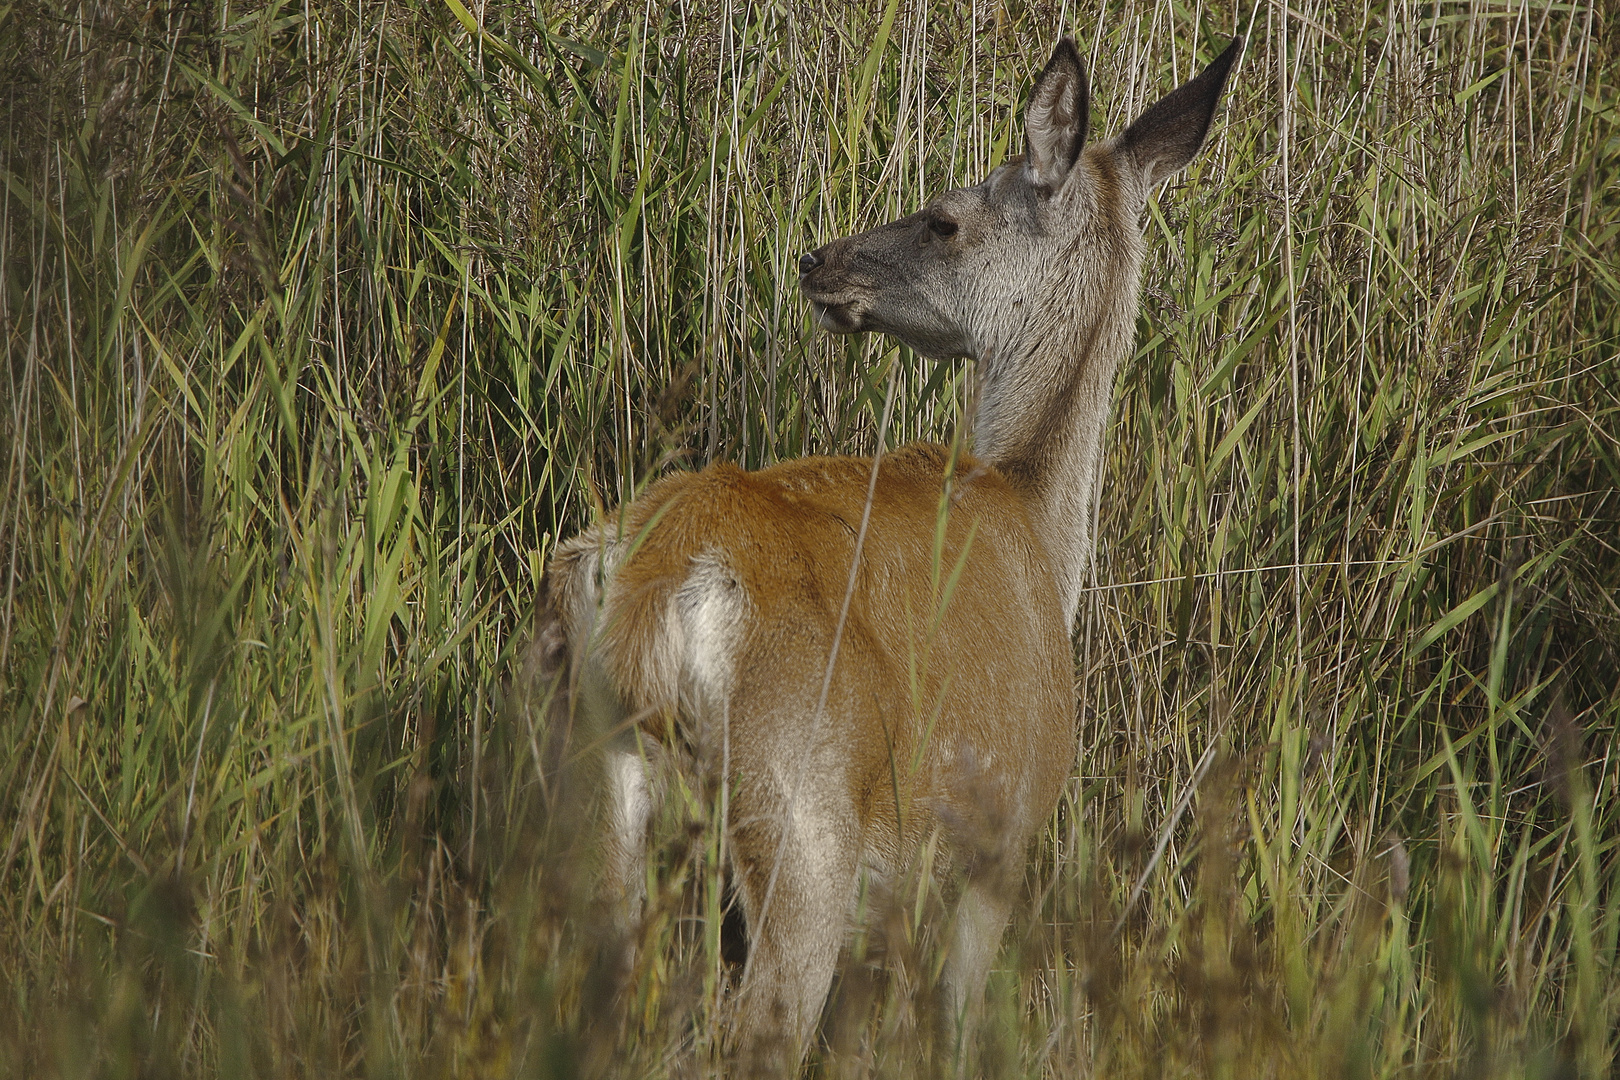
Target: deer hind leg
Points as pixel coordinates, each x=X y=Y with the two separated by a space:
x=586 y=707
x=630 y=803
x=796 y=862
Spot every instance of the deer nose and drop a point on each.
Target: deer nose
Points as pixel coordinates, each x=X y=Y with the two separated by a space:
x=809 y=261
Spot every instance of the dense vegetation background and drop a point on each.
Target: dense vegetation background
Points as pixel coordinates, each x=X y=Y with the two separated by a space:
x=324 y=322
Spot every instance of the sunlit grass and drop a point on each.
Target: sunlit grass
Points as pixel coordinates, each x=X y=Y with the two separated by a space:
x=324 y=323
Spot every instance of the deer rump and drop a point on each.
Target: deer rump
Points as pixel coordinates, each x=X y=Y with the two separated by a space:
x=707 y=622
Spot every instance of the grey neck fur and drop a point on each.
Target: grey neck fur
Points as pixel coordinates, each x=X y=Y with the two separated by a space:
x=1045 y=391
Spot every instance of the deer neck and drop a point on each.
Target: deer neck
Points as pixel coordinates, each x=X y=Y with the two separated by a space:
x=1044 y=397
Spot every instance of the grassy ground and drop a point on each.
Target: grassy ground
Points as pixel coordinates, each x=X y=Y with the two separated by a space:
x=323 y=322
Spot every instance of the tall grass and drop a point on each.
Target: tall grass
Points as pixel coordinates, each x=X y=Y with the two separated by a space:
x=323 y=323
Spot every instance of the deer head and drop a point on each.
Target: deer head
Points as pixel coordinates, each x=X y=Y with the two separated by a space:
x=977 y=271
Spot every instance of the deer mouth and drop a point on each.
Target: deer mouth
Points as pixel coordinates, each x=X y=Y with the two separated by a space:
x=838 y=314
x=839 y=318
x=839 y=304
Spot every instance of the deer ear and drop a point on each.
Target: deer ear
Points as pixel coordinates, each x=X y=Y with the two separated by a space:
x=1165 y=138
x=1055 y=121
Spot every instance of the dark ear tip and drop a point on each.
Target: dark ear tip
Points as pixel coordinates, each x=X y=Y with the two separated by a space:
x=1066 y=49
x=1213 y=78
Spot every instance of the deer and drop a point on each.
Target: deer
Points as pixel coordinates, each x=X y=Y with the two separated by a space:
x=871 y=659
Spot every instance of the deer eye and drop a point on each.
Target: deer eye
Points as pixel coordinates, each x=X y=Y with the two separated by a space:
x=944 y=228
